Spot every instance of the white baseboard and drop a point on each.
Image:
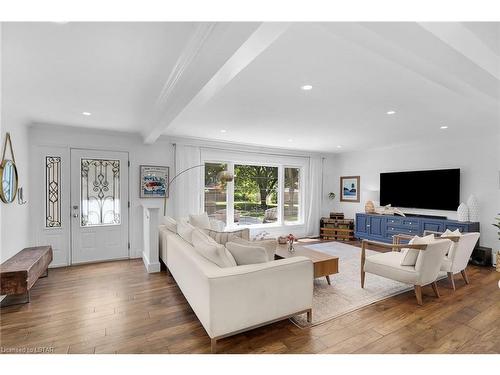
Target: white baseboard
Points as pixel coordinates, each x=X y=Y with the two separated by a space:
x=150 y=267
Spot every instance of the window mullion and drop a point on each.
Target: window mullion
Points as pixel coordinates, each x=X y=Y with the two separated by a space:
x=230 y=198
x=281 y=194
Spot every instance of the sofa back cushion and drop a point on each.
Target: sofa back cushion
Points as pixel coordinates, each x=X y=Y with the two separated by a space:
x=211 y=250
x=268 y=245
x=224 y=237
x=247 y=254
x=169 y=223
x=200 y=221
x=185 y=230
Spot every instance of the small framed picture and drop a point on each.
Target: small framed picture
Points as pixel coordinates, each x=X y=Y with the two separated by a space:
x=349 y=189
x=153 y=181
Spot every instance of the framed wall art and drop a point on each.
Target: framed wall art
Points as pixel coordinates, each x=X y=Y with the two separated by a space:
x=153 y=181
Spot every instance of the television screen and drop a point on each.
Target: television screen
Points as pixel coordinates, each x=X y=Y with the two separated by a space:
x=434 y=189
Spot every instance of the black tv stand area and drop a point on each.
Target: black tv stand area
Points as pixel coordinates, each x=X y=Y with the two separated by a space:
x=426 y=216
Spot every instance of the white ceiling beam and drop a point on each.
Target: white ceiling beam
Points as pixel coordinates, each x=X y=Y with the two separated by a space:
x=216 y=53
x=461 y=39
x=390 y=41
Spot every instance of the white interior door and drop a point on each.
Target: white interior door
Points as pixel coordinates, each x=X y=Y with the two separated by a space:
x=99 y=205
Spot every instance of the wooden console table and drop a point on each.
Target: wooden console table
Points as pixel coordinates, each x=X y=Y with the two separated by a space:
x=19 y=273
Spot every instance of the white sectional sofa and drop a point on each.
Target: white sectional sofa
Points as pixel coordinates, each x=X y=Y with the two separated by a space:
x=231 y=300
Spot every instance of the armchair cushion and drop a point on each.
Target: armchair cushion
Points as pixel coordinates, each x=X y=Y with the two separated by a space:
x=448 y=233
x=389 y=265
x=410 y=256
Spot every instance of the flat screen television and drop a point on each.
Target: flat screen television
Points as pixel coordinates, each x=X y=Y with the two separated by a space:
x=437 y=189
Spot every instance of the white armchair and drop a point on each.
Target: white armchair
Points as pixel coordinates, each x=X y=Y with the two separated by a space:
x=458 y=257
x=388 y=265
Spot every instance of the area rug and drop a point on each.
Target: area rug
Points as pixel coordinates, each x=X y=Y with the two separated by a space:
x=345 y=294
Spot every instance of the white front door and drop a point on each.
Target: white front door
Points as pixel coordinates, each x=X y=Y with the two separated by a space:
x=99 y=205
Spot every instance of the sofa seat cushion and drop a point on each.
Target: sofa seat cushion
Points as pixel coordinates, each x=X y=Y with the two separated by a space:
x=389 y=265
x=211 y=250
x=247 y=254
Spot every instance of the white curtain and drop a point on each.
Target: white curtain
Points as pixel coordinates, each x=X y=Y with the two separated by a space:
x=314 y=195
x=186 y=189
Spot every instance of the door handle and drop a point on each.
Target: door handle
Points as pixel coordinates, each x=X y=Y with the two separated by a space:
x=75 y=215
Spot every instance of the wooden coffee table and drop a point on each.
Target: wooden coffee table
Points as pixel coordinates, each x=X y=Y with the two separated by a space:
x=324 y=264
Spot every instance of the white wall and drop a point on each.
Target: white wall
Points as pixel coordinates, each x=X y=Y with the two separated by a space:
x=14 y=231
x=139 y=153
x=478 y=159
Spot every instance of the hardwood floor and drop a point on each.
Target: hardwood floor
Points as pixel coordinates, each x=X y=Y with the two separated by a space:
x=117 y=307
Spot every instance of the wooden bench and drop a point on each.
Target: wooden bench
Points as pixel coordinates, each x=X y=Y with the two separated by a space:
x=19 y=273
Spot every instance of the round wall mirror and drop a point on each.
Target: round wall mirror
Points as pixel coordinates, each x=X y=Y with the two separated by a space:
x=8 y=173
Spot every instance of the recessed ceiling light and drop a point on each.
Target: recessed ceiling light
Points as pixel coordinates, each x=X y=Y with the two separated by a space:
x=339 y=146
x=290 y=140
x=306 y=87
x=86 y=113
x=443 y=127
x=223 y=130
x=391 y=112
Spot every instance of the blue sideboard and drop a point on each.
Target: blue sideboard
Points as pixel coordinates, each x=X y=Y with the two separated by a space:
x=383 y=227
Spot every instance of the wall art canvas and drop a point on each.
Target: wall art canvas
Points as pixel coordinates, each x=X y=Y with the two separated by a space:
x=154 y=180
x=349 y=189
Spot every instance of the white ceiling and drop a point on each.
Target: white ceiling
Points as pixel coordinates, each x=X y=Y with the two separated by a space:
x=194 y=80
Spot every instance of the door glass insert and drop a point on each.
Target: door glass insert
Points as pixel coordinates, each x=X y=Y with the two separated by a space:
x=52 y=191
x=100 y=192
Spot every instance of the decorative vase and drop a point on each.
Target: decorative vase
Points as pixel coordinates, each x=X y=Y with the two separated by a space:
x=290 y=246
x=463 y=212
x=369 y=207
x=473 y=205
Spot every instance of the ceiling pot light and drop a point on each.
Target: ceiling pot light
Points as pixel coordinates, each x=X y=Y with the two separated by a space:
x=290 y=140
x=86 y=113
x=306 y=87
x=391 y=112
x=339 y=146
x=443 y=127
x=223 y=130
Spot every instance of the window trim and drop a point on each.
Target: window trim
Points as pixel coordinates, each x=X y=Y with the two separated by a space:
x=281 y=182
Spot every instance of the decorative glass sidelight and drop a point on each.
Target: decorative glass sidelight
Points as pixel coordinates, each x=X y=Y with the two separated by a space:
x=100 y=192
x=52 y=191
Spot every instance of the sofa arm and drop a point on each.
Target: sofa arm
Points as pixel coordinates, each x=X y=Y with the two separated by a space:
x=247 y=296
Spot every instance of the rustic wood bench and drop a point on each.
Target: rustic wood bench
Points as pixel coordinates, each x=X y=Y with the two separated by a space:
x=19 y=273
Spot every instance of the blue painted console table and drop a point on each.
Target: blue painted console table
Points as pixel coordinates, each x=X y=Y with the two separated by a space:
x=383 y=227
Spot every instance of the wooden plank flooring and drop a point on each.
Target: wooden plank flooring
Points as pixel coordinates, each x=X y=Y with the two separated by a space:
x=117 y=307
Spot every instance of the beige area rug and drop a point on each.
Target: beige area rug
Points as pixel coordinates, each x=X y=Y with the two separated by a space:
x=345 y=294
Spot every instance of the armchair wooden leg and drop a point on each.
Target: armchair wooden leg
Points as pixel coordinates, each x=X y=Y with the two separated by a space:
x=363 y=257
x=435 y=289
x=464 y=275
x=310 y=316
x=452 y=281
x=418 y=294
x=213 y=346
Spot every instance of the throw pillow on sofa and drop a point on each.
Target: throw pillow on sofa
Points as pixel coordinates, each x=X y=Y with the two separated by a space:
x=169 y=223
x=211 y=250
x=200 y=221
x=268 y=245
x=185 y=230
x=410 y=256
x=245 y=254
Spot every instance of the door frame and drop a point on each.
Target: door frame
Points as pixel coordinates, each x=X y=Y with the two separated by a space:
x=70 y=198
